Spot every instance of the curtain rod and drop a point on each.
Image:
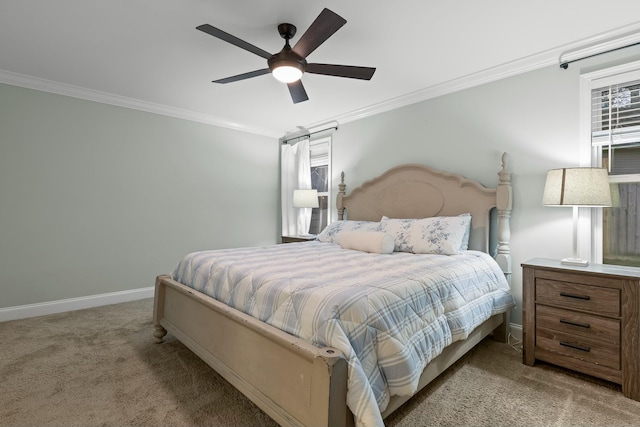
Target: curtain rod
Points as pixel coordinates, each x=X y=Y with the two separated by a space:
x=564 y=65
x=308 y=134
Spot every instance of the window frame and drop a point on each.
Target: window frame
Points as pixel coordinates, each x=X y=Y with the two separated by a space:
x=328 y=139
x=590 y=221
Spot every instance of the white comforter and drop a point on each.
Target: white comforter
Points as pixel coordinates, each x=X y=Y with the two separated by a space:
x=389 y=314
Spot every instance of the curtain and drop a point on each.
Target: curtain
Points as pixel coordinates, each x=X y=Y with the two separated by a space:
x=296 y=175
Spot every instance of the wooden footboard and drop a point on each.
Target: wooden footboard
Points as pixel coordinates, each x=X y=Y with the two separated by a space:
x=295 y=383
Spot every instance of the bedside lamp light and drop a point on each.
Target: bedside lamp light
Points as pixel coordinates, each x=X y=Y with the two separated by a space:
x=305 y=199
x=577 y=187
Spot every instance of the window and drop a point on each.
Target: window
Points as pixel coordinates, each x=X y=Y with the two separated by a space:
x=305 y=164
x=615 y=144
x=320 y=155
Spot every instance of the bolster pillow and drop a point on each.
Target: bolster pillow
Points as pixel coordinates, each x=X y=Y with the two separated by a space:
x=367 y=241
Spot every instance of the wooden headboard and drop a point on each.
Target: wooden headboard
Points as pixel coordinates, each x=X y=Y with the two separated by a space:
x=418 y=191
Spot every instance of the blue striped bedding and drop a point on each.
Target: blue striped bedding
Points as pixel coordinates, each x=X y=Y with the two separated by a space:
x=389 y=314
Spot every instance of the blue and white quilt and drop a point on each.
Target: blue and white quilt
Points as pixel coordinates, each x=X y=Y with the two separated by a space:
x=390 y=314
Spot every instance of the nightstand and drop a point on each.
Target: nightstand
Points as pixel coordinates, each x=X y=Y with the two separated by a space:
x=585 y=319
x=293 y=239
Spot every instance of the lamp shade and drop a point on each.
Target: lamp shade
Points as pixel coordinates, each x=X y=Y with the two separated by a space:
x=305 y=199
x=577 y=187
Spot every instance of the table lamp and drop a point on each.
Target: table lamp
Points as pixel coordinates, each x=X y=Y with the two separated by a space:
x=577 y=187
x=305 y=199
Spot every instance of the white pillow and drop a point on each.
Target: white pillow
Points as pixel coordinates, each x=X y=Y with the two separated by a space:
x=437 y=235
x=366 y=241
x=331 y=231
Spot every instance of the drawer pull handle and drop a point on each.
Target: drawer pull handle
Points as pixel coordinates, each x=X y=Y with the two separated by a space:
x=569 y=322
x=583 y=297
x=577 y=347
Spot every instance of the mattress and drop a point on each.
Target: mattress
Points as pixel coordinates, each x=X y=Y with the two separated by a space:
x=390 y=314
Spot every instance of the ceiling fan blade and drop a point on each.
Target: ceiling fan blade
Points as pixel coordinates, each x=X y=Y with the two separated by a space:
x=350 y=71
x=298 y=94
x=321 y=29
x=243 y=76
x=216 y=32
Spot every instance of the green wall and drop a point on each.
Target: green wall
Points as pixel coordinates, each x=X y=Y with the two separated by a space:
x=96 y=198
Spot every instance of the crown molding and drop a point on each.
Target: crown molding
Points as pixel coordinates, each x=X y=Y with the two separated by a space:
x=476 y=79
x=30 y=82
x=599 y=43
x=602 y=43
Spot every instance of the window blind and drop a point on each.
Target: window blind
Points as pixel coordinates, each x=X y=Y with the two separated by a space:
x=615 y=126
x=319 y=151
x=615 y=118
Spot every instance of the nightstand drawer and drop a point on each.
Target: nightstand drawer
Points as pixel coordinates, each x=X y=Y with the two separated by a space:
x=605 y=301
x=589 y=350
x=579 y=324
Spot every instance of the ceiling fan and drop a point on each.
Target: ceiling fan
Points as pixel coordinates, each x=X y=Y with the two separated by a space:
x=289 y=64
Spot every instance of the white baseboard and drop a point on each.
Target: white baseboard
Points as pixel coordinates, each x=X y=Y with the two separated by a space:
x=516 y=331
x=52 y=307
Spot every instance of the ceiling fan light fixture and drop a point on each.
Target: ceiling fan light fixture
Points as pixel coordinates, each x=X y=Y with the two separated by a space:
x=290 y=64
x=287 y=72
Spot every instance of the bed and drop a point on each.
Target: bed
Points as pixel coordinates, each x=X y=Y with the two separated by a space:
x=301 y=361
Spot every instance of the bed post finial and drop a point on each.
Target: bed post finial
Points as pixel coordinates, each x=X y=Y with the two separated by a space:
x=341 y=192
x=504 y=203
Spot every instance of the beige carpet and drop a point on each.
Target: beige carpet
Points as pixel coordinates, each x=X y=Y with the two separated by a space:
x=101 y=367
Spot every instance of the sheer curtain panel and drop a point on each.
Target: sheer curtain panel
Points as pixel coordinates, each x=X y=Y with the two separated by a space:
x=296 y=175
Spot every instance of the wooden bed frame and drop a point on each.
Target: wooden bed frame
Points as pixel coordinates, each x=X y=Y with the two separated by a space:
x=294 y=382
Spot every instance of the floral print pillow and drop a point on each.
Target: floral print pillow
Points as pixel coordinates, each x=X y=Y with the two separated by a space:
x=331 y=231
x=442 y=235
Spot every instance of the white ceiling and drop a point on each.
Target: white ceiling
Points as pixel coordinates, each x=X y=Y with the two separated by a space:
x=147 y=53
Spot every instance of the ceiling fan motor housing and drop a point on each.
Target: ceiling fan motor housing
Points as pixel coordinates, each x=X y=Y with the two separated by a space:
x=286 y=57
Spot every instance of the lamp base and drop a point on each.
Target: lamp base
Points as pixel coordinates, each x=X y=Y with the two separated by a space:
x=575 y=261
